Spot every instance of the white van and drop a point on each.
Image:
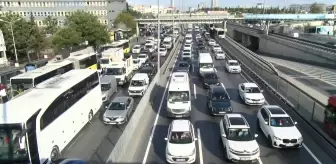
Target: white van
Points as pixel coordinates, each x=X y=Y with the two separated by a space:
x=150 y=47
x=205 y=63
x=143 y=58
x=188 y=38
x=179 y=98
x=168 y=42
x=138 y=84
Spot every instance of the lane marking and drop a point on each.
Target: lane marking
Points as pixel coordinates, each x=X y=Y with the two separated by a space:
x=157 y=117
x=200 y=146
x=215 y=70
x=195 y=91
x=193 y=68
x=259 y=161
x=303 y=144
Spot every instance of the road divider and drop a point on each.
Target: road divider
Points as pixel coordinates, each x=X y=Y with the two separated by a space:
x=130 y=138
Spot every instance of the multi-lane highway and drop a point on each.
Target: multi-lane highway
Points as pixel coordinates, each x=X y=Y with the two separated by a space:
x=210 y=149
x=96 y=140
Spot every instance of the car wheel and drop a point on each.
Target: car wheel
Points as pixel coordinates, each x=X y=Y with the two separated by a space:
x=90 y=116
x=55 y=154
x=258 y=124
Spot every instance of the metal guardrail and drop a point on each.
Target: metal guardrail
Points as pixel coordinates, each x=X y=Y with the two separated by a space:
x=323 y=47
x=127 y=141
x=299 y=97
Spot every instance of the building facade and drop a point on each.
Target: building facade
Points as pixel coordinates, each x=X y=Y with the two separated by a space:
x=3 y=58
x=303 y=8
x=214 y=3
x=150 y=9
x=105 y=10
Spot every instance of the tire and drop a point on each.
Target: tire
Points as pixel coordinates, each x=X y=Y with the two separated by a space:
x=269 y=141
x=55 y=154
x=90 y=116
x=258 y=124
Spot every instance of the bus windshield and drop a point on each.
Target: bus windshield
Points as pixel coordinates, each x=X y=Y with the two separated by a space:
x=11 y=150
x=220 y=32
x=29 y=67
x=113 y=71
x=178 y=96
x=20 y=85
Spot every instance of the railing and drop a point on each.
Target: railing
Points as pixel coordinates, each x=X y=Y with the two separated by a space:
x=306 y=102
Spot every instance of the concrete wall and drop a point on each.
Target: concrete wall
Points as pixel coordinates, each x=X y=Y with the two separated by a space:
x=279 y=48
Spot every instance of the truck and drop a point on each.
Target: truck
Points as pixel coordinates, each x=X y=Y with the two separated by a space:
x=108 y=54
x=120 y=66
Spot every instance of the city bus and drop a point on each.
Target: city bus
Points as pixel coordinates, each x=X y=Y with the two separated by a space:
x=36 y=126
x=30 y=79
x=124 y=44
x=35 y=64
x=82 y=61
x=330 y=117
x=7 y=72
x=220 y=32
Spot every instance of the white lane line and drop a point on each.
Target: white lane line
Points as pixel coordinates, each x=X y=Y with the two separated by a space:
x=215 y=70
x=195 y=91
x=312 y=154
x=259 y=161
x=304 y=145
x=223 y=86
x=157 y=118
x=193 y=68
x=200 y=146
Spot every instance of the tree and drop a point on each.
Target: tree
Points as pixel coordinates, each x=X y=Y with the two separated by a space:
x=51 y=25
x=89 y=28
x=315 y=8
x=134 y=13
x=36 y=39
x=67 y=37
x=126 y=19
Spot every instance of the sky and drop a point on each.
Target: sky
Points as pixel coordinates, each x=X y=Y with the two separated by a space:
x=228 y=3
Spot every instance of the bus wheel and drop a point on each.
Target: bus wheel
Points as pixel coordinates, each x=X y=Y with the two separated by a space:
x=90 y=116
x=55 y=154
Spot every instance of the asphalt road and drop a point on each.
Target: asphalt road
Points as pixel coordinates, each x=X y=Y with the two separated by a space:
x=209 y=148
x=96 y=140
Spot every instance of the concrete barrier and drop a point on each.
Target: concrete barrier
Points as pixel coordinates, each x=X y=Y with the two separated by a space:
x=128 y=140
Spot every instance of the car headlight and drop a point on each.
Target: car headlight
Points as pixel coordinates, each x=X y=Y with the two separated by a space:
x=247 y=98
x=120 y=119
x=168 y=153
x=300 y=138
x=276 y=138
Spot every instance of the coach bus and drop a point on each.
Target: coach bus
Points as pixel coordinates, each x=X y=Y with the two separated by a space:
x=330 y=117
x=82 y=61
x=30 y=79
x=40 y=123
x=124 y=44
x=35 y=64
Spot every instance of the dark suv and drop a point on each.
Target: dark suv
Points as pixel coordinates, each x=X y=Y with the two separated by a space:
x=218 y=101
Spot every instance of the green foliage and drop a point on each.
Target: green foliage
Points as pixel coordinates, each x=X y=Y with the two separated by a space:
x=126 y=19
x=83 y=27
x=315 y=8
x=67 y=37
x=51 y=25
x=134 y=13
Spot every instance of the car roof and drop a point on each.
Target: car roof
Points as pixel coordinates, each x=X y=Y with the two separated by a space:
x=120 y=99
x=217 y=89
x=237 y=121
x=275 y=111
x=232 y=61
x=180 y=125
x=250 y=85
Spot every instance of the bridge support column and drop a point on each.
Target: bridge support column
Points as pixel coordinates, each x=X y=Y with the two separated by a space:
x=267 y=27
x=137 y=29
x=334 y=30
x=225 y=30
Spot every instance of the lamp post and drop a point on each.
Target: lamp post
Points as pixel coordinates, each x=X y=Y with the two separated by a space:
x=11 y=27
x=158 y=42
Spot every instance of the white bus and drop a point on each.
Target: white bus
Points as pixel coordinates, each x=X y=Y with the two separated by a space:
x=37 y=125
x=220 y=32
x=205 y=63
x=30 y=79
x=82 y=61
x=179 y=99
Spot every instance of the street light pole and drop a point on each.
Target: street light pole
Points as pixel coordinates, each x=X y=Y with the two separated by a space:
x=13 y=38
x=158 y=42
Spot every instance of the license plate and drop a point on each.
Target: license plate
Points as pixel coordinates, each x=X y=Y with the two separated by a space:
x=178 y=116
x=180 y=160
x=245 y=158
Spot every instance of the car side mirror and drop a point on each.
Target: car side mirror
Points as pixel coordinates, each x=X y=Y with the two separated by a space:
x=295 y=123
x=255 y=135
x=223 y=135
x=166 y=139
x=266 y=123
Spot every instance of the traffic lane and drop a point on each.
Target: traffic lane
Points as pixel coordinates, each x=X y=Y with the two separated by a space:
x=312 y=82
x=285 y=155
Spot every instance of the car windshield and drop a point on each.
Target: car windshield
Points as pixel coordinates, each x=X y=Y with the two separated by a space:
x=206 y=65
x=135 y=61
x=186 y=51
x=136 y=47
x=220 y=52
x=142 y=56
x=178 y=96
x=11 y=150
x=183 y=65
x=188 y=38
x=113 y=71
x=149 y=46
x=105 y=87
x=219 y=96
x=166 y=42
x=237 y=134
x=162 y=49
x=186 y=54
x=217 y=46
x=117 y=106
x=211 y=40
x=210 y=76
x=104 y=61
x=148 y=41
x=252 y=90
x=137 y=83
x=233 y=63
x=19 y=85
x=180 y=138
x=281 y=122
x=187 y=45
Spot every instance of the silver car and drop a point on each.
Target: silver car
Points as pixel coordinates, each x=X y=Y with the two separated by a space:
x=118 y=111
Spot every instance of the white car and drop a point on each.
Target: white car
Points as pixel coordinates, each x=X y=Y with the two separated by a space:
x=232 y=66
x=150 y=47
x=142 y=59
x=220 y=55
x=181 y=145
x=278 y=127
x=187 y=47
x=198 y=36
x=163 y=51
x=196 y=29
x=136 y=49
x=211 y=42
x=138 y=84
x=238 y=140
x=216 y=48
x=251 y=94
